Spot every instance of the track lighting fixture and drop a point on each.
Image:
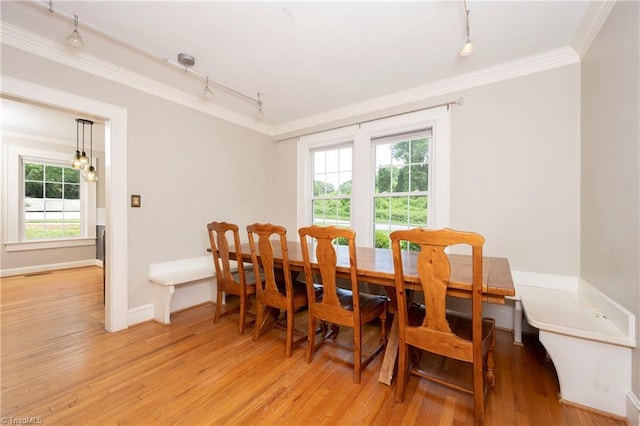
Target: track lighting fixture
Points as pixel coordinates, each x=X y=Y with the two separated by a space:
x=467 y=49
x=75 y=39
x=185 y=61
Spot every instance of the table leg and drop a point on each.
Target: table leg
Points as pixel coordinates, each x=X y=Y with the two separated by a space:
x=390 y=354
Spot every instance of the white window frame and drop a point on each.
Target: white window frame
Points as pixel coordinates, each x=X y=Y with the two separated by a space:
x=14 y=214
x=363 y=162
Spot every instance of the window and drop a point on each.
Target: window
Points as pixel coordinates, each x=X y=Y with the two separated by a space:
x=332 y=183
x=379 y=176
x=48 y=204
x=401 y=183
x=51 y=207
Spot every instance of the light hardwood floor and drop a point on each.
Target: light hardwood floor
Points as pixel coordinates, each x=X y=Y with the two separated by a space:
x=59 y=366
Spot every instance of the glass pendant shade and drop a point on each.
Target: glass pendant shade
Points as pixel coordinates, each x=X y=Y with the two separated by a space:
x=76 y=163
x=467 y=49
x=90 y=175
x=84 y=160
x=75 y=39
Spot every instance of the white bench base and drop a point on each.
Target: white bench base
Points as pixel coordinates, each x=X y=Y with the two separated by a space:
x=588 y=337
x=166 y=276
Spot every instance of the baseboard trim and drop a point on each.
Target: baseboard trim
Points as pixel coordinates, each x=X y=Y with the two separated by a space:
x=140 y=314
x=633 y=409
x=592 y=410
x=50 y=267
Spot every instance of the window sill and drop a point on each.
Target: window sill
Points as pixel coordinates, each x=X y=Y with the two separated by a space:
x=49 y=244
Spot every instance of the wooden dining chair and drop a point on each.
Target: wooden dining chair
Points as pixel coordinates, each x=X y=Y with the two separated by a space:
x=432 y=327
x=339 y=306
x=230 y=280
x=277 y=288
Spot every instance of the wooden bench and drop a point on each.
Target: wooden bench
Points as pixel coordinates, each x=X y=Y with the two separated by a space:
x=589 y=338
x=167 y=275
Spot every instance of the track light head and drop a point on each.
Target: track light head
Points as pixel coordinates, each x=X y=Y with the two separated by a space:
x=206 y=91
x=75 y=39
x=467 y=49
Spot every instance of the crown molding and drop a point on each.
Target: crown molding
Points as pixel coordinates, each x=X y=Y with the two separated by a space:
x=17 y=37
x=508 y=70
x=35 y=44
x=592 y=21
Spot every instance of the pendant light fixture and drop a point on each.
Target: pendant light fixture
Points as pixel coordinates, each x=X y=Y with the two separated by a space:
x=75 y=39
x=81 y=161
x=467 y=49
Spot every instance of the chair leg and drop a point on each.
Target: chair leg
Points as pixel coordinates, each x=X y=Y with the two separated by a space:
x=241 y=319
x=357 y=354
x=491 y=364
x=401 y=385
x=257 y=328
x=478 y=390
x=216 y=316
x=311 y=337
x=289 y=342
x=383 y=331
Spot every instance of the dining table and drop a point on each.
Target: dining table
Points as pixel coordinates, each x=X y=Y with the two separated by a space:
x=375 y=266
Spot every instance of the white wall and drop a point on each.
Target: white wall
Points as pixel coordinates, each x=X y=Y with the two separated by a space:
x=515 y=169
x=189 y=167
x=611 y=162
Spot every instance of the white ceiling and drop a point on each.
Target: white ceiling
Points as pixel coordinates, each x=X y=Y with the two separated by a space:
x=309 y=58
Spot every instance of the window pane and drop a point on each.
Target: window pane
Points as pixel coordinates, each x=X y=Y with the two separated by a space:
x=419 y=150
x=33 y=190
x=417 y=211
x=71 y=175
x=419 y=177
x=34 y=204
x=319 y=162
x=345 y=183
x=332 y=212
x=332 y=160
x=383 y=180
x=72 y=228
x=71 y=191
x=72 y=208
x=53 y=190
x=53 y=174
x=33 y=171
x=34 y=229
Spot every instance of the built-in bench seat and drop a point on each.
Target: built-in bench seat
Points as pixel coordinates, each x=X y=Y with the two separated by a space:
x=589 y=338
x=167 y=275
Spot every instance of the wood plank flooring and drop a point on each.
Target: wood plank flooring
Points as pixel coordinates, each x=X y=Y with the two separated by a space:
x=59 y=366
